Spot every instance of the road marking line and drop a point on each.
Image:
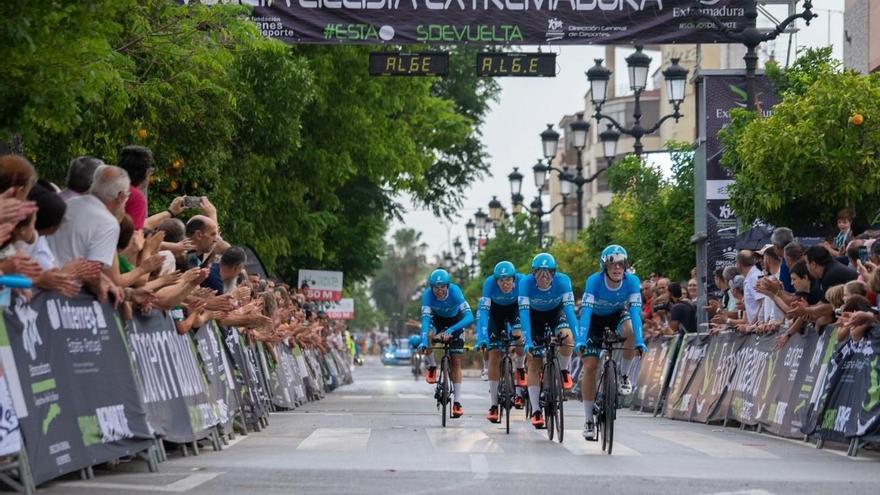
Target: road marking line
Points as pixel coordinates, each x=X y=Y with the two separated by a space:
x=480 y=466
x=745 y=492
x=235 y=441
x=357 y=397
x=461 y=440
x=712 y=446
x=414 y=396
x=179 y=486
x=575 y=443
x=336 y=440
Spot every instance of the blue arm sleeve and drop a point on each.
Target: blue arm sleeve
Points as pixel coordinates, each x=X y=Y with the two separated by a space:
x=463 y=307
x=586 y=313
x=635 y=309
x=483 y=312
x=525 y=317
x=568 y=305
x=426 y=314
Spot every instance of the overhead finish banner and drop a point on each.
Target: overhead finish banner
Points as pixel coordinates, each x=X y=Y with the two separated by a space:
x=495 y=22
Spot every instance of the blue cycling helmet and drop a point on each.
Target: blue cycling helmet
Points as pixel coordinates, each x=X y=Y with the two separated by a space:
x=544 y=260
x=415 y=341
x=612 y=254
x=439 y=277
x=504 y=269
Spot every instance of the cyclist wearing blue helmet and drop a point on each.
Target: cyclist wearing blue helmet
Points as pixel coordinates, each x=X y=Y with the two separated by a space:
x=499 y=311
x=445 y=310
x=546 y=301
x=612 y=299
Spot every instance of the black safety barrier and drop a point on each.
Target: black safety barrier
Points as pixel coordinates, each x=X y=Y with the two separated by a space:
x=812 y=387
x=79 y=388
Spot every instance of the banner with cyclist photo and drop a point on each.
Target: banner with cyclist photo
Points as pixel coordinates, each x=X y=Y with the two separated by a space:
x=513 y=22
x=849 y=404
x=71 y=382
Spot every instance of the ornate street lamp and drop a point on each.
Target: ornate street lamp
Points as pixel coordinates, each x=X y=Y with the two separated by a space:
x=549 y=142
x=637 y=65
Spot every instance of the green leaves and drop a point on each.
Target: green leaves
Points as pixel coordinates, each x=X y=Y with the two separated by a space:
x=650 y=216
x=809 y=159
x=299 y=148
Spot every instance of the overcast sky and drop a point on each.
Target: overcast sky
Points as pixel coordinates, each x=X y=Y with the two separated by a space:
x=526 y=105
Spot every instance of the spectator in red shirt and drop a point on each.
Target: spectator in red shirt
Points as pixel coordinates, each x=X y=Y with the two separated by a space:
x=138 y=162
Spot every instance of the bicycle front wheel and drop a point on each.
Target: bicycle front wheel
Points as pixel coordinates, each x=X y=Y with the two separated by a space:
x=610 y=391
x=444 y=390
x=506 y=391
x=549 y=392
x=559 y=398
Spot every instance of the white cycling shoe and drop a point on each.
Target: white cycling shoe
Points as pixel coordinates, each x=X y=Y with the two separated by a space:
x=625 y=386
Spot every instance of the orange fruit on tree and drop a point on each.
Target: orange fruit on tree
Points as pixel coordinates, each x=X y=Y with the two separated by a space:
x=142 y=133
x=858 y=119
x=177 y=164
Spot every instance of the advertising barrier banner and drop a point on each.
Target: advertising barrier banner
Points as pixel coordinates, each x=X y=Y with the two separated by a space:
x=71 y=381
x=175 y=392
x=849 y=404
x=496 y=22
x=10 y=433
x=218 y=372
x=655 y=368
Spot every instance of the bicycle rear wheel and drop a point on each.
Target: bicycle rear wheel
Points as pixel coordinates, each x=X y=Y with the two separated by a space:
x=610 y=390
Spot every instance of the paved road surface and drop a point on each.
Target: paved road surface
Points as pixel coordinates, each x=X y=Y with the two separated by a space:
x=382 y=435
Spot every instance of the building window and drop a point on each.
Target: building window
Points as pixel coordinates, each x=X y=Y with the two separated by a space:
x=602 y=183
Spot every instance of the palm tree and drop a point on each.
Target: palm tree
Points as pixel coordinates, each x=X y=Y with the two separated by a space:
x=399 y=278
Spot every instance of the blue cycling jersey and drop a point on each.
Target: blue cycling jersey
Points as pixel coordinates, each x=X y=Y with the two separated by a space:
x=454 y=305
x=601 y=300
x=533 y=298
x=492 y=294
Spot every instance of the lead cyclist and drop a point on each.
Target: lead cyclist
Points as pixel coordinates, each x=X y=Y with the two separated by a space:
x=612 y=299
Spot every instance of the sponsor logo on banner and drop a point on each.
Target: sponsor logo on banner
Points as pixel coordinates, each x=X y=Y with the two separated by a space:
x=322 y=285
x=28 y=317
x=554 y=29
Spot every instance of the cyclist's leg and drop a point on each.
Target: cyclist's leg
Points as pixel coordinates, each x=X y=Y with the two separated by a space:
x=629 y=352
x=457 y=351
x=591 y=363
x=539 y=321
x=494 y=375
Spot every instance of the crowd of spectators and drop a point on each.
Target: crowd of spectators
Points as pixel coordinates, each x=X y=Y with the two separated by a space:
x=96 y=235
x=785 y=286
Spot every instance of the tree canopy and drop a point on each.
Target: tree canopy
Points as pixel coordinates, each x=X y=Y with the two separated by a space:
x=299 y=148
x=817 y=153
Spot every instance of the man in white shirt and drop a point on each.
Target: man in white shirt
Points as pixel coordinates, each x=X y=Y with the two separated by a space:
x=90 y=228
x=745 y=263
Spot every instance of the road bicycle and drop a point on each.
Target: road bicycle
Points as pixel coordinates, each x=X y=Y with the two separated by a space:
x=606 y=400
x=552 y=393
x=507 y=385
x=443 y=390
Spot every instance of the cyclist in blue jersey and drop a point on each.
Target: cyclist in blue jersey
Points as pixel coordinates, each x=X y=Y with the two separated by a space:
x=499 y=311
x=445 y=310
x=612 y=299
x=546 y=301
